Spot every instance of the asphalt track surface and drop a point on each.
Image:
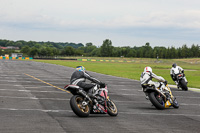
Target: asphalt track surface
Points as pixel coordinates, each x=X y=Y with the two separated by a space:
x=32 y=100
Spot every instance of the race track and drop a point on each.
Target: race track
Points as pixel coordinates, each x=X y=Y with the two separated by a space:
x=32 y=100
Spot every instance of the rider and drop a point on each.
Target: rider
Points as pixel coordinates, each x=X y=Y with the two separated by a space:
x=146 y=79
x=176 y=70
x=79 y=77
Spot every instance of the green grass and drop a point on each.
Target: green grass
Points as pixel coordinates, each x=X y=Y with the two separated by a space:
x=134 y=70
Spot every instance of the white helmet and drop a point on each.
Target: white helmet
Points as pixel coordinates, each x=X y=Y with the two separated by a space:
x=148 y=69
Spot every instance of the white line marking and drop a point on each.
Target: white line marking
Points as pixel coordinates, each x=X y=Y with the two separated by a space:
x=36 y=86
x=11 y=85
x=129 y=113
x=126 y=94
x=13 y=109
x=188 y=97
x=12 y=81
x=61 y=99
x=17 y=81
x=159 y=114
x=130 y=94
x=34 y=98
x=32 y=91
x=148 y=102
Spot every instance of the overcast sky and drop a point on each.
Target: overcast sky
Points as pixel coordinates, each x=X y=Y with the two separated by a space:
x=124 y=22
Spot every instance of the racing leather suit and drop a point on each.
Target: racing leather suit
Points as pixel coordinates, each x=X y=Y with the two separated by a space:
x=175 y=71
x=146 y=79
x=79 y=78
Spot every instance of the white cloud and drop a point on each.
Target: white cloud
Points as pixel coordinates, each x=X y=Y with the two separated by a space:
x=106 y=17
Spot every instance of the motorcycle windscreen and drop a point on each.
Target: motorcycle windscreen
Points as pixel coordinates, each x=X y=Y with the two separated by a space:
x=103 y=93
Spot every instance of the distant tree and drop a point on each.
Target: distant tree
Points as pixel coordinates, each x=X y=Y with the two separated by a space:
x=79 y=52
x=43 y=52
x=33 y=52
x=195 y=51
x=116 y=52
x=55 y=51
x=184 y=51
x=106 y=48
x=18 y=44
x=10 y=43
x=148 y=52
x=3 y=42
x=69 y=51
x=140 y=52
x=1 y=52
x=95 y=52
x=25 y=49
x=88 y=44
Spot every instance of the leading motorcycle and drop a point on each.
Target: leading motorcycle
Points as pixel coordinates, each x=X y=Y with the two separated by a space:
x=161 y=99
x=181 y=81
x=83 y=104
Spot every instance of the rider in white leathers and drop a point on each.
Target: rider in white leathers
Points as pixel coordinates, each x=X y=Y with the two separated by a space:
x=146 y=78
x=175 y=70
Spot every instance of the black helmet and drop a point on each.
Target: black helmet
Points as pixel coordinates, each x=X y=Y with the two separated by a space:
x=174 y=65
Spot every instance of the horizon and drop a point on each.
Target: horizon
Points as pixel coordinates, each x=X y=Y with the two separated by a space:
x=102 y=43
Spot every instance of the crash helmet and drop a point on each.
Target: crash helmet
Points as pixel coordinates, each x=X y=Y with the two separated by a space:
x=80 y=68
x=174 y=65
x=148 y=69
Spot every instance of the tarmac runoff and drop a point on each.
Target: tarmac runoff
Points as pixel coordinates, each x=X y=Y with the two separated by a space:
x=38 y=108
x=173 y=86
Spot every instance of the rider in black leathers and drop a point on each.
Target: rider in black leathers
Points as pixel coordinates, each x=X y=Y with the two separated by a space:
x=79 y=77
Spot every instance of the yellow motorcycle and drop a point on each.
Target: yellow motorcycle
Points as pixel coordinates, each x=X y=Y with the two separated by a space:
x=161 y=99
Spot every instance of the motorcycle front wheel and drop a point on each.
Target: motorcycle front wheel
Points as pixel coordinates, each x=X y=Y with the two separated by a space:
x=112 y=108
x=175 y=104
x=76 y=103
x=157 y=100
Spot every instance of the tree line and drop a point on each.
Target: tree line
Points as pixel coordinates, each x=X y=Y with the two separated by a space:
x=52 y=49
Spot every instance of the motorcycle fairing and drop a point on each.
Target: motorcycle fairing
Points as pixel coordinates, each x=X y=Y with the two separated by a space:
x=72 y=88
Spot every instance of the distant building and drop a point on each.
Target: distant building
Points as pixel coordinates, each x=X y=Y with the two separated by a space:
x=10 y=47
x=3 y=47
x=16 y=54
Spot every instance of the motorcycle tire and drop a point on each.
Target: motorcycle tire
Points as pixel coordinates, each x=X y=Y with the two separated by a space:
x=154 y=100
x=112 y=108
x=175 y=104
x=183 y=85
x=76 y=106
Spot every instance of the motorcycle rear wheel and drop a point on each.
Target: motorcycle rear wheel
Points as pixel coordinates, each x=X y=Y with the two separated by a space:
x=112 y=108
x=183 y=85
x=156 y=101
x=78 y=108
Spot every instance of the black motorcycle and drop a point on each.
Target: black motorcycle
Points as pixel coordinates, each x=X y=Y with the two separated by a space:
x=83 y=103
x=181 y=82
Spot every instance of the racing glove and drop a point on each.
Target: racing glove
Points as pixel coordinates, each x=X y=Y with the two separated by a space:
x=165 y=82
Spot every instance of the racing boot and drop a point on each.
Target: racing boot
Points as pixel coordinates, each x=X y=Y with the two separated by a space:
x=95 y=106
x=93 y=91
x=176 y=83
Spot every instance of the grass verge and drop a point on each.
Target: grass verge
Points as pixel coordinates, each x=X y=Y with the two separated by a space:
x=134 y=70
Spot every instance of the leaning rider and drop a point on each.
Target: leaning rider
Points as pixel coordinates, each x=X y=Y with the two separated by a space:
x=175 y=70
x=146 y=79
x=79 y=78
